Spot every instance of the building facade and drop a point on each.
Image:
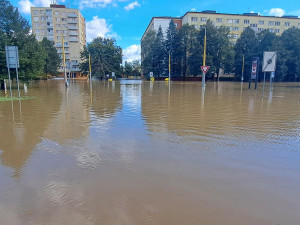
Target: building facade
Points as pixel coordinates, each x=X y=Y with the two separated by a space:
x=55 y=22
x=236 y=22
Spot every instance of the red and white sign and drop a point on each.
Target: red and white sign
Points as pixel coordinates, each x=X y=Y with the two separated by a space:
x=205 y=69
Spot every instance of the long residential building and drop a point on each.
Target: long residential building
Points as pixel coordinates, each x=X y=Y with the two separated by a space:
x=236 y=22
x=58 y=21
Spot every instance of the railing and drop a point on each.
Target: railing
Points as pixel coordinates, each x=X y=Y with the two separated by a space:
x=72 y=21
x=72 y=27
x=73 y=39
x=72 y=15
x=73 y=33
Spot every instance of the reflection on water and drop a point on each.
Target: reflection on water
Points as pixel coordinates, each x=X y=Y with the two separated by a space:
x=133 y=152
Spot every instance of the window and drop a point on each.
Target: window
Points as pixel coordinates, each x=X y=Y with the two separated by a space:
x=203 y=19
x=63 y=13
x=176 y=24
x=246 y=21
x=277 y=30
x=58 y=25
x=196 y=27
x=194 y=19
x=277 y=23
x=43 y=18
x=271 y=23
x=36 y=18
x=219 y=20
x=42 y=11
x=271 y=30
x=287 y=24
x=253 y=25
x=261 y=22
x=236 y=21
x=57 y=19
x=260 y=29
x=229 y=21
x=234 y=28
x=65 y=31
x=64 y=25
x=56 y=13
x=37 y=31
x=35 y=12
x=63 y=19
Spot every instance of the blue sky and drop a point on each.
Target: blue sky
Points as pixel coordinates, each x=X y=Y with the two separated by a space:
x=126 y=20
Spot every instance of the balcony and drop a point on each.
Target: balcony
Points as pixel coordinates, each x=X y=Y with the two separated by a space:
x=72 y=27
x=73 y=39
x=73 y=33
x=72 y=21
x=72 y=15
x=60 y=45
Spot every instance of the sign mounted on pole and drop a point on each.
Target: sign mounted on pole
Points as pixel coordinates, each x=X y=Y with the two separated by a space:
x=269 y=62
x=254 y=69
x=12 y=58
x=205 y=69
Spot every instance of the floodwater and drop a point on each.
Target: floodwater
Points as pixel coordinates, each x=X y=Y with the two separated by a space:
x=135 y=153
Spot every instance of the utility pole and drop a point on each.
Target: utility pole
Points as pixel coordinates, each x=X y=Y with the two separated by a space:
x=243 y=68
x=64 y=60
x=204 y=58
x=169 y=66
x=90 y=67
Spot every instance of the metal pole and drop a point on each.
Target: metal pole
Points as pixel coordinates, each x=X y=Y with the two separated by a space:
x=64 y=60
x=264 y=83
x=204 y=58
x=90 y=67
x=271 y=79
x=169 y=66
x=243 y=68
x=9 y=82
x=18 y=81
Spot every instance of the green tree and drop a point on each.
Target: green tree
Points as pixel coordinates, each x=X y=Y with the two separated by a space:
x=52 y=60
x=128 y=69
x=15 y=30
x=106 y=57
x=147 y=53
x=159 y=65
x=171 y=44
x=244 y=47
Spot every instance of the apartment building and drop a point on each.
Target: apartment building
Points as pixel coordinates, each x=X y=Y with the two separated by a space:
x=236 y=22
x=58 y=21
x=162 y=22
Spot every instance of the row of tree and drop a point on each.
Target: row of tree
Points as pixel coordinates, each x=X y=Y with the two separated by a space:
x=106 y=57
x=185 y=48
x=37 y=59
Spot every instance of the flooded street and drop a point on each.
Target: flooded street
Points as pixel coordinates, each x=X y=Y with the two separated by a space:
x=135 y=153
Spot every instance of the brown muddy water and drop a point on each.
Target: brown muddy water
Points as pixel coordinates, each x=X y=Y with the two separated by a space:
x=135 y=153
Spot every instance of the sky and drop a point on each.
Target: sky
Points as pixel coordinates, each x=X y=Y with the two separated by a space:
x=127 y=20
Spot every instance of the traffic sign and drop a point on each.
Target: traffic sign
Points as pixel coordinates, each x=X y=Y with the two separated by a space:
x=205 y=69
x=269 y=63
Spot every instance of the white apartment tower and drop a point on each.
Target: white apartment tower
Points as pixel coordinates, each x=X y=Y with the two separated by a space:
x=56 y=21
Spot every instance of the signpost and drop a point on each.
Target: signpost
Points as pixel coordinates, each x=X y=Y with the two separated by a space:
x=269 y=65
x=254 y=71
x=12 y=62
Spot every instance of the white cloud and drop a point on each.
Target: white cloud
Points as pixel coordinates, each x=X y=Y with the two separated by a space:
x=132 y=53
x=24 y=5
x=132 y=6
x=275 y=12
x=94 y=3
x=193 y=9
x=98 y=27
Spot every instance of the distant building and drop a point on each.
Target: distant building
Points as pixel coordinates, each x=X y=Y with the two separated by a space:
x=236 y=22
x=56 y=21
x=162 y=22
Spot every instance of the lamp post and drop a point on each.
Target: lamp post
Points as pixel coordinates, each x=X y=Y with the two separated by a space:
x=204 y=57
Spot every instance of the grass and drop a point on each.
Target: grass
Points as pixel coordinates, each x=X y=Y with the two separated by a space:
x=6 y=99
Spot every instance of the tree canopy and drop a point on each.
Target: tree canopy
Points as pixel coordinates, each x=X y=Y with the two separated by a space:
x=106 y=57
x=36 y=59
